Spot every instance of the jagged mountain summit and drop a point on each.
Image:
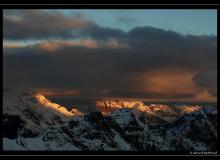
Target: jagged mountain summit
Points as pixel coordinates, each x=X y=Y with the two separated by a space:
x=30 y=113
x=32 y=122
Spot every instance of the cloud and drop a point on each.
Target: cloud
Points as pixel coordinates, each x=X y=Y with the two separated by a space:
x=55 y=45
x=43 y=24
x=205 y=96
x=170 y=81
x=144 y=62
x=58 y=93
x=12 y=45
x=39 y=24
x=208 y=81
x=51 y=46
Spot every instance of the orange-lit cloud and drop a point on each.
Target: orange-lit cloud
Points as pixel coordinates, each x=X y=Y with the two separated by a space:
x=55 y=45
x=170 y=81
x=204 y=96
x=174 y=82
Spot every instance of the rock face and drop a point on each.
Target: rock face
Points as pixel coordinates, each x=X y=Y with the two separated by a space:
x=118 y=126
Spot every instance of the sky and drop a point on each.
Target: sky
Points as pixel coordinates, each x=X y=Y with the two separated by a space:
x=155 y=55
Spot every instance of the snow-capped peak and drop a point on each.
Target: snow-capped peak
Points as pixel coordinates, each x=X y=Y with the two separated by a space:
x=34 y=111
x=53 y=106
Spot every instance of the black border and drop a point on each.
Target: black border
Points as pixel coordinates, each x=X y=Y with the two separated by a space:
x=95 y=2
x=107 y=6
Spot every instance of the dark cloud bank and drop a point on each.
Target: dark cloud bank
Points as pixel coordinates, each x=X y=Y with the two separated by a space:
x=98 y=69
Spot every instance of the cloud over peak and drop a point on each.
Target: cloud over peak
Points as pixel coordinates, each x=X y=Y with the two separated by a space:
x=71 y=53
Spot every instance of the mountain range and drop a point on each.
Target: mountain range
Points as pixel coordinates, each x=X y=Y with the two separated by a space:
x=32 y=122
